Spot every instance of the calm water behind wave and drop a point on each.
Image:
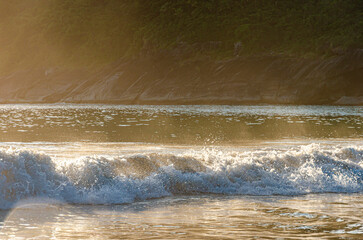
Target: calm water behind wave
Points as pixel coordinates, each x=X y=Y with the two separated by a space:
x=191 y=125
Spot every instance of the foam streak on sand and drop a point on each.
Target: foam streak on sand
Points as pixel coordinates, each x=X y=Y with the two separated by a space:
x=131 y=177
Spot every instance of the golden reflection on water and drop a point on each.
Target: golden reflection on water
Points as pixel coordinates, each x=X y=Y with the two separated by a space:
x=319 y=216
x=194 y=125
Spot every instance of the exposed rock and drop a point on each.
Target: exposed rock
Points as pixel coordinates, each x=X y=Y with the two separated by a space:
x=167 y=77
x=350 y=100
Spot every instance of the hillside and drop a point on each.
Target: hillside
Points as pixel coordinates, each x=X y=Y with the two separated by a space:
x=189 y=51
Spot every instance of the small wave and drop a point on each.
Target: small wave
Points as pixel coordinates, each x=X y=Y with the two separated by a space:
x=128 y=178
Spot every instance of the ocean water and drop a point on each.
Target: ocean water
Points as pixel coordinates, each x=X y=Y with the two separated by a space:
x=194 y=172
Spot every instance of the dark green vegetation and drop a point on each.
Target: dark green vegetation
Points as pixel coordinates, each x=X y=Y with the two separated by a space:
x=97 y=32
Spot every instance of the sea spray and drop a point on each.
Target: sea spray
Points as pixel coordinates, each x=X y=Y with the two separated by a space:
x=131 y=177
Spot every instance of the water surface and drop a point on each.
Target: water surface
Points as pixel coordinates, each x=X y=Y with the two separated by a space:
x=223 y=172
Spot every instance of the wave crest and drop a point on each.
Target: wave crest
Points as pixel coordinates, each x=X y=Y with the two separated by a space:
x=127 y=178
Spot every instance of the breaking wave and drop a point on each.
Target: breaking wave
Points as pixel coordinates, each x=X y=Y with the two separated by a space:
x=128 y=178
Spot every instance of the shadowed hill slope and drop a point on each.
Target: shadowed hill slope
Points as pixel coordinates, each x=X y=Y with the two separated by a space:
x=196 y=51
x=164 y=80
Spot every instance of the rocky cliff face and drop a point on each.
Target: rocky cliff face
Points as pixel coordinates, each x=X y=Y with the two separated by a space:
x=166 y=78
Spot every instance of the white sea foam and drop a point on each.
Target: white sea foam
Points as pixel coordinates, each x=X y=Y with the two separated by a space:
x=128 y=178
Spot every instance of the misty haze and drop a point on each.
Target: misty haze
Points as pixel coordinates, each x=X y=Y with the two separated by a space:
x=189 y=119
